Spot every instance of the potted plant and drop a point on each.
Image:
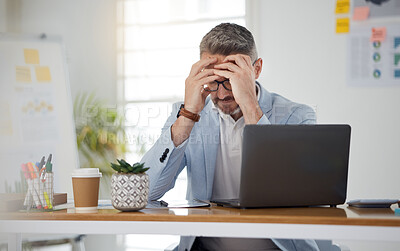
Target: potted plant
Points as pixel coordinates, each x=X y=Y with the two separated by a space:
x=100 y=136
x=129 y=186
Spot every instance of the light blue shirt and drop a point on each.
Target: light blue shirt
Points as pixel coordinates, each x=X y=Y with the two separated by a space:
x=199 y=153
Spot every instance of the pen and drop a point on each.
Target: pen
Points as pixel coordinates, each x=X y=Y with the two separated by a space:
x=42 y=170
x=41 y=164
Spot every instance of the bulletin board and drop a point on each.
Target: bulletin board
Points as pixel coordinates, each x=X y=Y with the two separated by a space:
x=35 y=109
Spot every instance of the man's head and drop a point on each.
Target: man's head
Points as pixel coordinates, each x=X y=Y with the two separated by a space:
x=223 y=40
x=227 y=39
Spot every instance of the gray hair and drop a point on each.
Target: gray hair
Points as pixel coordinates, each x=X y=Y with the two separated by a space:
x=227 y=39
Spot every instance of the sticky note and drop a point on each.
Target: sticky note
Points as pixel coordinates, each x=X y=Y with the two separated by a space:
x=342 y=6
x=396 y=42
x=23 y=74
x=43 y=74
x=31 y=56
x=396 y=73
x=342 y=25
x=396 y=58
x=378 y=34
x=361 y=13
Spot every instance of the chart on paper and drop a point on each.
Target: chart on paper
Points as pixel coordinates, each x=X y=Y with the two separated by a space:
x=374 y=59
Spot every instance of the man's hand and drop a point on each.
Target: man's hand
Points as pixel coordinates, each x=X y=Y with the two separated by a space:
x=240 y=72
x=195 y=95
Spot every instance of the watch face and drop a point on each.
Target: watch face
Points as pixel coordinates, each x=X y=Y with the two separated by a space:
x=179 y=111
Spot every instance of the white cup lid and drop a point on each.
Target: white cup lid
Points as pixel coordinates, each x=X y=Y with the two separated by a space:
x=86 y=173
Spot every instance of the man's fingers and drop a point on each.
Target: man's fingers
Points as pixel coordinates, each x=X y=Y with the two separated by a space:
x=208 y=80
x=241 y=60
x=225 y=74
x=200 y=65
x=204 y=73
x=228 y=66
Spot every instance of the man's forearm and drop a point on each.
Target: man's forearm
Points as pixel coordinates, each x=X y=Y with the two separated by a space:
x=180 y=130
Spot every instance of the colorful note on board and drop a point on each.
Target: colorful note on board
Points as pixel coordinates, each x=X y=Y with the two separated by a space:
x=23 y=74
x=43 y=74
x=378 y=34
x=361 y=13
x=31 y=56
x=342 y=25
x=342 y=6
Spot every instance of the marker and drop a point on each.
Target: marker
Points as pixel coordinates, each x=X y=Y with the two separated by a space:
x=47 y=201
x=34 y=186
x=27 y=201
x=39 y=187
x=31 y=170
x=47 y=189
x=49 y=166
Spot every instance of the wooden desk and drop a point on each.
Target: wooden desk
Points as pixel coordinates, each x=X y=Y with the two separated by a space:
x=344 y=223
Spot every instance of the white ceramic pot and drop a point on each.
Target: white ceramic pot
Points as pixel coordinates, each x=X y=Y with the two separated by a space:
x=129 y=192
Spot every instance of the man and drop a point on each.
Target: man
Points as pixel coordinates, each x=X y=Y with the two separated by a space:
x=205 y=133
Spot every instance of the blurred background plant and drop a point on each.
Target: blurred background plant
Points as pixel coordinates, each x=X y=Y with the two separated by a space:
x=100 y=136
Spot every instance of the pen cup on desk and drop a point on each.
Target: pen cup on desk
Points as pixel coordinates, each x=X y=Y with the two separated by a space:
x=39 y=188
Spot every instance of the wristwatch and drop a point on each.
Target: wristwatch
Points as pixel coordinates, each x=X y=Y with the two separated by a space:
x=185 y=113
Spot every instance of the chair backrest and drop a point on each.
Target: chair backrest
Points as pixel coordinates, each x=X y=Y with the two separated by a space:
x=327 y=245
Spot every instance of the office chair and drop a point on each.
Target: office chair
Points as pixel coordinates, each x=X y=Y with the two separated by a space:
x=323 y=245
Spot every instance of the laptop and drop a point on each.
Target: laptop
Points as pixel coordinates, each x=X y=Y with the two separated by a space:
x=293 y=166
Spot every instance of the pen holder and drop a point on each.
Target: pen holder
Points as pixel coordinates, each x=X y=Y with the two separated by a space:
x=39 y=190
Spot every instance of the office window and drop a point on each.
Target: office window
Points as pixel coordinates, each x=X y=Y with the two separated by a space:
x=158 y=41
x=157 y=44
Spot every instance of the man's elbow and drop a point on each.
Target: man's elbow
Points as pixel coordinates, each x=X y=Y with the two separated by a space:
x=303 y=115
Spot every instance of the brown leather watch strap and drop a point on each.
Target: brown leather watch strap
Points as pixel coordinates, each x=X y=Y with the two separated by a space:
x=190 y=115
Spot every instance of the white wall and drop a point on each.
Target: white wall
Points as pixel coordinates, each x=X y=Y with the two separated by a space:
x=304 y=60
x=88 y=28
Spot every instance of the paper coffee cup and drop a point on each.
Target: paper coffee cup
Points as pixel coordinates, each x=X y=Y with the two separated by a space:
x=85 y=183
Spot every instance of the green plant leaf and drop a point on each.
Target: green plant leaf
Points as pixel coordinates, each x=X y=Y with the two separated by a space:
x=135 y=170
x=101 y=133
x=125 y=170
x=140 y=165
x=145 y=169
x=125 y=163
x=115 y=167
x=120 y=162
